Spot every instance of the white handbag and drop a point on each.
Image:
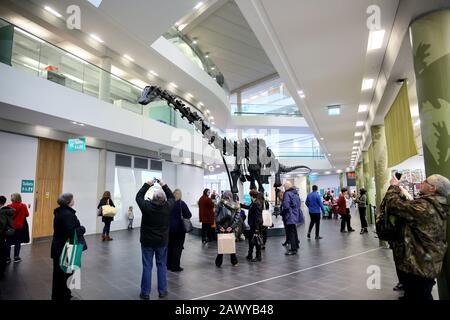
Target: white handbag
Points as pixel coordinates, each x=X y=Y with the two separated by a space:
x=267 y=218
x=226 y=243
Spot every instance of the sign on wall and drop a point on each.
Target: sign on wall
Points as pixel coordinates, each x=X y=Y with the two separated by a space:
x=351 y=179
x=27 y=186
x=78 y=144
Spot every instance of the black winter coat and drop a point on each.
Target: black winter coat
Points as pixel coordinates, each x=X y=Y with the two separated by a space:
x=228 y=216
x=65 y=224
x=104 y=202
x=6 y=220
x=155 y=218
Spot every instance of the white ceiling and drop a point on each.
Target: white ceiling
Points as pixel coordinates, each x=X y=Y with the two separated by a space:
x=232 y=46
x=320 y=47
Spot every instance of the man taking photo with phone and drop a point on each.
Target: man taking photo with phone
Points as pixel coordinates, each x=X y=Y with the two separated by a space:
x=154 y=235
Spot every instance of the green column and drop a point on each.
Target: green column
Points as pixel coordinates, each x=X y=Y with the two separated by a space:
x=431 y=49
x=380 y=163
x=360 y=175
x=368 y=185
x=308 y=185
x=381 y=170
x=341 y=180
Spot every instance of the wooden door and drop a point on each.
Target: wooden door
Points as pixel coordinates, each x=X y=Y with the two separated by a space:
x=49 y=177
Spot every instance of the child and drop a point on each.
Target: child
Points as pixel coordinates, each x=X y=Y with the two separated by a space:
x=130 y=216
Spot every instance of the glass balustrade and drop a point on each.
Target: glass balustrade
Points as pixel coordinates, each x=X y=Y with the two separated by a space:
x=42 y=59
x=193 y=53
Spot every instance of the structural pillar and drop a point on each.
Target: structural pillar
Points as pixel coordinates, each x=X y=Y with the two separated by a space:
x=431 y=50
x=380 y=163
x=308 y=184
x=341 y=180
x=368 y=184
x=104 y=91
x=101 y=182
x=381 y=170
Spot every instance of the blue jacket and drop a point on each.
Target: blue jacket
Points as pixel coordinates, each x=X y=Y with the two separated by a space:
x=314 y=203
x=291 y=207
x=178 y=209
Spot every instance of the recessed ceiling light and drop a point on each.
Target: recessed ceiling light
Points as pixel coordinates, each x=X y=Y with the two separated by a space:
x=363 y=108
x=329 y=154
x=367 y=84
x=194 y=42
x=154 y=73
x=97 y=38
x=213 y=123
x=358 y=134
x=360 y=123
x=189 y=95
x=217 y=166
x=207 y=111
x=322 y=138
x=356 y=142
x=198 y=5
x=173 y=85
x=355 y=148
x=301 y=94
x=375 y=39
x=207 y=56
x=201 y=104
x=53 y=11
x=327 y=172
x=334 y=110
x=128 y=57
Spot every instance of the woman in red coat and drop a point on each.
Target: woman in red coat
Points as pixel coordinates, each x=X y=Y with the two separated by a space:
x=21 y=232
x=343 y=211
x=206 y=215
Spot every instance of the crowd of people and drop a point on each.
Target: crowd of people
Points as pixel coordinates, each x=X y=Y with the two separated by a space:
x=418 y=250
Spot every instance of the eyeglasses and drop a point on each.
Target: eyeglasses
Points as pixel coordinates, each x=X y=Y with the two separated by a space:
x=425 y=181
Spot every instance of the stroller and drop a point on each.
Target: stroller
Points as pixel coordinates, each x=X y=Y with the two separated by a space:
x=328 y=212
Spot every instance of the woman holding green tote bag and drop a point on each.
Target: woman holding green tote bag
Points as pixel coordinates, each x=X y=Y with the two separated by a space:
x=65 y=226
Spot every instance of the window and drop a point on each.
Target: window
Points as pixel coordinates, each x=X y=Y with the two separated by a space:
x=123 y=160
x=140 y=163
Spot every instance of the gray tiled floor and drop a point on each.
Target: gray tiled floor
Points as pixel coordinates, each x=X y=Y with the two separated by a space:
x=112 y=270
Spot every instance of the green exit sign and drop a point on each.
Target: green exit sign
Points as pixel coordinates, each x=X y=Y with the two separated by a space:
x=78 y=144
x=27 y=186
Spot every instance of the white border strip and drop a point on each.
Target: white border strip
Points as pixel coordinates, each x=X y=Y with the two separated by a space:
x=285 y=275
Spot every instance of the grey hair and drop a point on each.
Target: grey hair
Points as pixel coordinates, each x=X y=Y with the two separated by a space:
x=65 y=199
x=441 y=183
x=227 y=195
x=159 y=196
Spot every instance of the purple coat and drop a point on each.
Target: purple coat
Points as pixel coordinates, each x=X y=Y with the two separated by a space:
x=291 y=208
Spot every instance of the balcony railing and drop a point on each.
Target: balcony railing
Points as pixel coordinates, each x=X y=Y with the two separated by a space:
x=40 y=58
x=193 y=53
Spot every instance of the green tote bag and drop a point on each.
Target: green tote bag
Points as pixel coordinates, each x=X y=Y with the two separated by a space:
x=70 y=259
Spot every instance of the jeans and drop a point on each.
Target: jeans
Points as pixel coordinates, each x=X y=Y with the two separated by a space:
x=207 y=232
x=147 y=264
x=362 y=217
x=233 y=258
x=60 y=291
x=2 y=255
x=252 y=245
x=315 y=220
x=346 y=221
x=130 y=223
x=416 y=287
x=14 y=241
x=292 y=236
x=107 y=228
x=175 y=249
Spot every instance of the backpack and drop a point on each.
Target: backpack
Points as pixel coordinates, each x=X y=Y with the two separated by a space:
x=386 y=227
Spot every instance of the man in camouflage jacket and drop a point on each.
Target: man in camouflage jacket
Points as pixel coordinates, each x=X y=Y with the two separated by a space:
x=420 y=251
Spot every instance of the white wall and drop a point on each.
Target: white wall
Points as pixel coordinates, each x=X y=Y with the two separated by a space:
x=18 y=162
x=190 y=180
x=327 y=181
x=169 y=174
x=80 y=179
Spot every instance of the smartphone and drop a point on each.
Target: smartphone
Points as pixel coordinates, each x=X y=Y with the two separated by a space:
x=155 y=179
x=398 y=175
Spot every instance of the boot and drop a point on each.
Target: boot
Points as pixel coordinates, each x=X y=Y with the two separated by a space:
x=108 y=238
x=103 y=237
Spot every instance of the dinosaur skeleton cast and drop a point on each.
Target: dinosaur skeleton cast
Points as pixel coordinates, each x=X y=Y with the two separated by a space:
x=254 y=161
